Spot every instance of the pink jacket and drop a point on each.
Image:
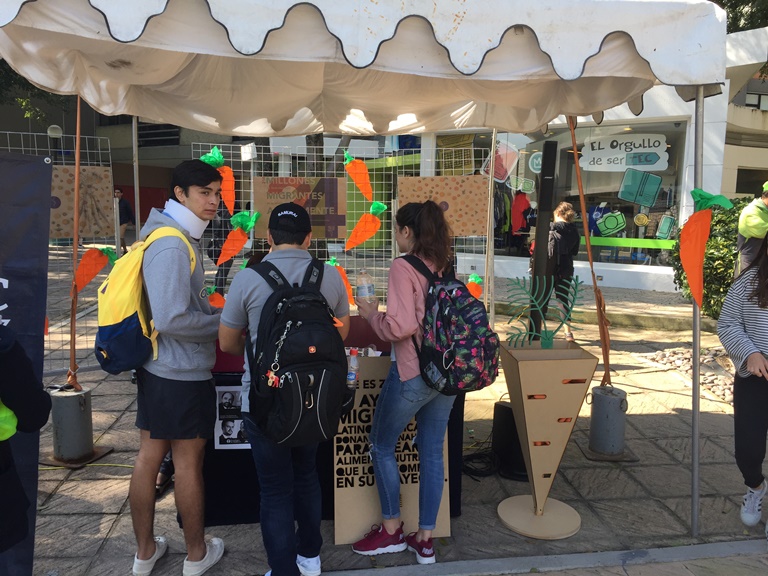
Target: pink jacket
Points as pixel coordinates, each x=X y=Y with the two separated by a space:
x=407 y=292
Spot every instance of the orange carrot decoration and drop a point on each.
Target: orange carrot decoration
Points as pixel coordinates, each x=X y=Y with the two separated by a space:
x=358 y=171
x=242 y=222
x=693 y=243
x=474 y=285
x=216 y=159
x=366 y=227
x=92 y=262
x=214 y=298
x=235 y=242
x=228 y=188
x=347 y=285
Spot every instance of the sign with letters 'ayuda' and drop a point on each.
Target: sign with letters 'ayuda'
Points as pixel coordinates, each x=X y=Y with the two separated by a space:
x=616 y=153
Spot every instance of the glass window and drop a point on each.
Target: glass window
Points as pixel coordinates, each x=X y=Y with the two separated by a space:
x=631 y=186
x=752 y=99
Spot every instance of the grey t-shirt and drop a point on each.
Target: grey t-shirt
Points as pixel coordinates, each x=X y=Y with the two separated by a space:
x=249 y=292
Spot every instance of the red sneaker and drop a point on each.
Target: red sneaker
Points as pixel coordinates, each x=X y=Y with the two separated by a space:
x=379 y=541
x=425 y=552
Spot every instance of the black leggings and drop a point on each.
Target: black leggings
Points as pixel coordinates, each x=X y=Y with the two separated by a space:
x=750 y=423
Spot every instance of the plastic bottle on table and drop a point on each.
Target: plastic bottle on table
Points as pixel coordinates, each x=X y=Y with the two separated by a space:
x=365 y=288
x=353 y=369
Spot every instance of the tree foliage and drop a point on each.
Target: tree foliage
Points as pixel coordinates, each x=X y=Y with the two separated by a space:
x=719 y=259
x=17 y=90
x=745 y=14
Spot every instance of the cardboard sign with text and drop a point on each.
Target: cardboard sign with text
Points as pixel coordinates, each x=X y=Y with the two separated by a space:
x=325 y=199
x=356 y=500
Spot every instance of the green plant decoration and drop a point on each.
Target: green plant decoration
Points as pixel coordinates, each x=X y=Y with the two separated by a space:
x=527 y=295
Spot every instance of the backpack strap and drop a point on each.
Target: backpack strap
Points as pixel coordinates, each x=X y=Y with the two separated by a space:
x=164 y=231
x=271 y=275
x=314 y=274
x=156 y=234
x=418 y=263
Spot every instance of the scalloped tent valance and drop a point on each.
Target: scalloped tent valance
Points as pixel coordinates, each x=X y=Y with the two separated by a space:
x=280 y=67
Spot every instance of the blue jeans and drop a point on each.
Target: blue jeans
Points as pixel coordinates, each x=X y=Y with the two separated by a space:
x=398 y=403
x=290 y=491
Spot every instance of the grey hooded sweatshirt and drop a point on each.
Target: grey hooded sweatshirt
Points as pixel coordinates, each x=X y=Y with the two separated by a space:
x=187 y=324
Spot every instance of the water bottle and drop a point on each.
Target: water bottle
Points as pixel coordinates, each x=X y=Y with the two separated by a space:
x=352 y=370
x=365 y=288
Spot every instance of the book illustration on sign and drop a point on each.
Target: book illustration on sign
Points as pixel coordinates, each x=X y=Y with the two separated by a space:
x=640 y=187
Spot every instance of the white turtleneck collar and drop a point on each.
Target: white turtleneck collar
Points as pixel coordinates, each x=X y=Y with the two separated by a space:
x=185 y=218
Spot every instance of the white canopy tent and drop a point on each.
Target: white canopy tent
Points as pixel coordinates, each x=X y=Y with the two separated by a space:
x=282 y=67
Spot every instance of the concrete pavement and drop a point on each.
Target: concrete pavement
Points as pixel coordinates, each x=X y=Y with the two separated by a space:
x=636 y=517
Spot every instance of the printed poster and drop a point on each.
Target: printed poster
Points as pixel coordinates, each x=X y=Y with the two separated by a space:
x=325 y=199
x=464 y=199
x=456 y=154
x=356 y=500
x=97 y=214
x=229 y=431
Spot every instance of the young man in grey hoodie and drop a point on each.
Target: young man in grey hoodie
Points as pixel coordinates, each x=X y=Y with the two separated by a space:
x=176 y=400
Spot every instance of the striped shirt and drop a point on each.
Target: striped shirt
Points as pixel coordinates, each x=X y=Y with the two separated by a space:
x=743 y=325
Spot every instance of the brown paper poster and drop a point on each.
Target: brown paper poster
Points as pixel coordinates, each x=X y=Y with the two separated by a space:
x=356 y=500
x=96 y=203
x=463 y=198
x=324 y=198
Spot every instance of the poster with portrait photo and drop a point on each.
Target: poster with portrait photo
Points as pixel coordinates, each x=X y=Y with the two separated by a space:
x=229 y=434
x=228 y=402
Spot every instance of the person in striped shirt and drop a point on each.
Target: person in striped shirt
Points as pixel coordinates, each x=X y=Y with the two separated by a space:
x=743 y=331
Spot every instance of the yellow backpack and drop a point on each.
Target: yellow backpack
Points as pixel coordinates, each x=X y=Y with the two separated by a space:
x=126 y=334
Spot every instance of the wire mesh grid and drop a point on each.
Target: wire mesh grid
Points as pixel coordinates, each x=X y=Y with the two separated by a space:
x=252 y=166
x=94 y=151
x=255 y=166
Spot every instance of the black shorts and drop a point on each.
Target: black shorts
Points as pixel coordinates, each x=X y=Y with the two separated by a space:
x=175 y=409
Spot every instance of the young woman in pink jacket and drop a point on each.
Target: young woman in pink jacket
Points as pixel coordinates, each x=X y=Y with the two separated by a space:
x=420 y=229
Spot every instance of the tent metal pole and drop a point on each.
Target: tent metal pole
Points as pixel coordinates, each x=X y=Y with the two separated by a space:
x=136 y=200
x=490 y=284
x=698 y=173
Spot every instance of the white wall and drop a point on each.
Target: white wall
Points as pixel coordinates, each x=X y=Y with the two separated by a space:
x=636 y=276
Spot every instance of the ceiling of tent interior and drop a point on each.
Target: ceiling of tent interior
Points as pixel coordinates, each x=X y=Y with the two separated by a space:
x=362 y=67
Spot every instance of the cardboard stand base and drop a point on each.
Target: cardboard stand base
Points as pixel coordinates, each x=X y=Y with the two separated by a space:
x=546 y=390
x=558 y=520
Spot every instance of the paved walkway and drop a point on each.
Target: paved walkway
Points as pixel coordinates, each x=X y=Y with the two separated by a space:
x=635 y=516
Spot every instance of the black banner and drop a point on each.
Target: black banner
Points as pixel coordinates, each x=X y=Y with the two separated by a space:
x=25 y=197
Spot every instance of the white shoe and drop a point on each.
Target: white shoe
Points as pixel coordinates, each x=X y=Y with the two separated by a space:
x=752 y=507
x=308 y=566
x=144 y=567
x=214 y=552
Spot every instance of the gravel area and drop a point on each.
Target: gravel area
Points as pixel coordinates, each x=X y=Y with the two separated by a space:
x=715 y=368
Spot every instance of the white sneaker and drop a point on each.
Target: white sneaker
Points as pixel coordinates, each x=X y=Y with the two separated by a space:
x=752 y=507
x=144 y=567
x=308 y=566
x=214 y=552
